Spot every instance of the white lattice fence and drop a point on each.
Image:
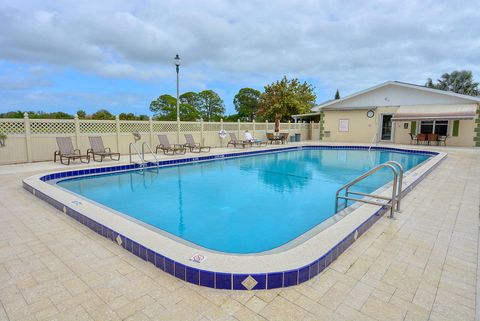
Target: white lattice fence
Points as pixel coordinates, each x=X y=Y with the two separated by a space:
x=164 y=127
x=190 y=127
x=34 y=139
x=246 y=126
x=12 y=126
x=50 y=126
x=98 y=126
x=261 y=126
x=209 y=127
x=134 y=126
x=230 y=126
x=15 y=150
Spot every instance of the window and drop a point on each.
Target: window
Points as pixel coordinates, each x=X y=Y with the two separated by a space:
x=343 y=125
x=426 y=127
x=439 y=127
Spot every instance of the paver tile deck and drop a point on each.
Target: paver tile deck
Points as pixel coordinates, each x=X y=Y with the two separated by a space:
x=420 y=266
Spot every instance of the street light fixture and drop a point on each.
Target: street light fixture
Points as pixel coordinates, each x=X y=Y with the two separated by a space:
x=177 y=65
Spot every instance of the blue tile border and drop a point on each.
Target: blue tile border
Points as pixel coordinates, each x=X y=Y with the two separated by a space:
x=219 y=280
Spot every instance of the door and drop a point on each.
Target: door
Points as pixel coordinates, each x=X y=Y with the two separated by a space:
x=386 y=127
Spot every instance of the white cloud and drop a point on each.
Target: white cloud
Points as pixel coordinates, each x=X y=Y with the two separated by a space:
x=347 y=44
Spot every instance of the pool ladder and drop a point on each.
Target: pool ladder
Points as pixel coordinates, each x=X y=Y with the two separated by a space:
x=141 y=155
x=392 y=202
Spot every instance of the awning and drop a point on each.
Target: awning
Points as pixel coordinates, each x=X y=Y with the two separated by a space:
x=435 y=112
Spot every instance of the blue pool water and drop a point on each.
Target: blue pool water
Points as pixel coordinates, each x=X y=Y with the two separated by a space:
x=240 y=205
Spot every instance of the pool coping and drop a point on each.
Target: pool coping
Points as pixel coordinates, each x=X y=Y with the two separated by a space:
x=222 y=270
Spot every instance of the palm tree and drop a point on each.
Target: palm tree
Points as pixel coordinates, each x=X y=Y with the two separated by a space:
x=460 y=82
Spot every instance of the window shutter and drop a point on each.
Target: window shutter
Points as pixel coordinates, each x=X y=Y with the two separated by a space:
x=456 y=126
x=413 y=128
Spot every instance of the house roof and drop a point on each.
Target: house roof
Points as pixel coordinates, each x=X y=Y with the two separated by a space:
x=330 y=103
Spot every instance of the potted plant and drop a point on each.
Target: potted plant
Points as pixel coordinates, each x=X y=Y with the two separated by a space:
x=3 y=137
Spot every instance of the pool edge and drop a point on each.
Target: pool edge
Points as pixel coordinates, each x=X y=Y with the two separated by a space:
x=217 y=279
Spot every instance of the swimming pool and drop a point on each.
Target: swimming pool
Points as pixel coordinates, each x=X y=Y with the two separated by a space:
x=292 y=263
x=241 y=205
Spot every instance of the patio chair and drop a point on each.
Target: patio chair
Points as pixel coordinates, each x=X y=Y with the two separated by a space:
x=250 y=139
x=66 y=151
x=422 y=138
x=283 y=137
x=98 y=149
x=194 y=147
x=442 y=139
x=413 y=139
x=236 y=142
x=272 y=138
x=432 y=139
x=166 y=147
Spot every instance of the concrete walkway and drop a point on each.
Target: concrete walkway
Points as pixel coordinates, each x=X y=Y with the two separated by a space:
x=420 y=266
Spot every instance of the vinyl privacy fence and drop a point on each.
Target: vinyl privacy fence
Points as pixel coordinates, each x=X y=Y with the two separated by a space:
x=32 y=140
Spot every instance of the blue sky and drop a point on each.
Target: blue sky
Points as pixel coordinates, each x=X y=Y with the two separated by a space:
x=118 y=55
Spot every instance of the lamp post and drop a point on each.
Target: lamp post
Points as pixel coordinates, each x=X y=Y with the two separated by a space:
x=177 y=66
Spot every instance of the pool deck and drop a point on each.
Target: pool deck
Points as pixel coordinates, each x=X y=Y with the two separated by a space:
x=420 y=266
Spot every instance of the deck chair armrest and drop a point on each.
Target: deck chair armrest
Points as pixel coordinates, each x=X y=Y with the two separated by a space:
x=178 y=145
x=77 y=151
x=108 y=150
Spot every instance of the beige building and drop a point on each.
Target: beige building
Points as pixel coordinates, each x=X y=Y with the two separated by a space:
x=398 y=112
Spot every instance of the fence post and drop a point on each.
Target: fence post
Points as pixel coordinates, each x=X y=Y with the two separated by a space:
x=150 y=123
x=28 y=138
x=221 y=128
x=238 y=130
x=289 y=129
x=253 y=130
x=201 y=132
x=311 y=129
x=178 y=130
x=266 y=126
x=77 y=131
x=117 y=126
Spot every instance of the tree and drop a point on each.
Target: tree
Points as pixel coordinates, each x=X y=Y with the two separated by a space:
x=124 y=116
x=56 y=115
x=13 y=114
x=37 y=115
x=142 y=117
x=189 y=106
x=337 y=94
x=460 y=82
x=189 y=98
x=81 y=114
x=232 y=118
x=165 y=107
x=103 y=114
x=211 y=106
x=284 y=98
x=246 y=103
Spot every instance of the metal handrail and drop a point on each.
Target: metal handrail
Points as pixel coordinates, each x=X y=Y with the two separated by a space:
x=400 y=182
x=151 y=152
x=394 y=201
x=138 y=153
x=374 y=138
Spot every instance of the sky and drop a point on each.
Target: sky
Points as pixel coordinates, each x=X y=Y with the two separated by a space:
x=114 y=54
